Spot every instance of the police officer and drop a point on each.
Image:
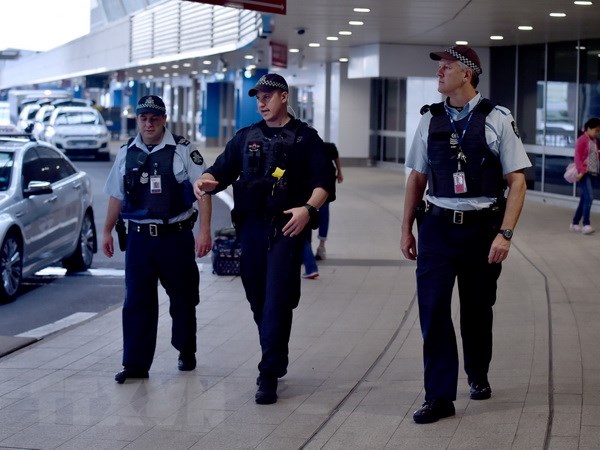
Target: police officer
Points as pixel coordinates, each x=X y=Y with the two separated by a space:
x=280 y=176
x=150 y=185
x=467 y=150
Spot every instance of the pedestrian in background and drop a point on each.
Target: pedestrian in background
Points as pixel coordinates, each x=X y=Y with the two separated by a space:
x=467 y=150
x=150 y=185
x=586 y=161
x=280 y=177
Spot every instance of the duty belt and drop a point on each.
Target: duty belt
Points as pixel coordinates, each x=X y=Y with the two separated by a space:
x=458 y=217
x=159 y=229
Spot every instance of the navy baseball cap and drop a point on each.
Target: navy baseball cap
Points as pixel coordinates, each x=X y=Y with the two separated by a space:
x=151 y=104
x=269 y=82
x=462 y=53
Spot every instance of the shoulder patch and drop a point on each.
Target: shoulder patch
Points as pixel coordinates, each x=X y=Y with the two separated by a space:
x=196 y=158
x=183 y=141
x=515 y=129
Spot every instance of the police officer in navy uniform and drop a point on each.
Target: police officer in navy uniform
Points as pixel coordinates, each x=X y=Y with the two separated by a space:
x=466 y=151
x=281 y=176
x=150 y=185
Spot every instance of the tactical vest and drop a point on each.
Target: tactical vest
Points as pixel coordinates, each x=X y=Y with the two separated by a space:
x=258 y=191
x=143 y=198
x=482 y=168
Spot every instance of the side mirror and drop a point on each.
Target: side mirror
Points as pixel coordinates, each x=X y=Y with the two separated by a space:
x=29 y=128
x=37 y=188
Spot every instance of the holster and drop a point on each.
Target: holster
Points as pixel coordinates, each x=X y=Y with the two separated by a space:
x=420 y=211
x=121 y=229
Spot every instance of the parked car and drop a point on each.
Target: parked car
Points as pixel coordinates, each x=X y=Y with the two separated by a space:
x=40 y=121
x=27 y=115
x=46 y=213
x=79 y=131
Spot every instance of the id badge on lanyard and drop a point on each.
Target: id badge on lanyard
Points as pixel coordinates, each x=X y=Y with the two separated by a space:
x=459 y=179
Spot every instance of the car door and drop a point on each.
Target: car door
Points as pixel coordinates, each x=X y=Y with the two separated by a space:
x=67 y=206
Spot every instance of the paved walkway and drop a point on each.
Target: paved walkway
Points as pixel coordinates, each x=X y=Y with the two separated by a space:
x=356 y=372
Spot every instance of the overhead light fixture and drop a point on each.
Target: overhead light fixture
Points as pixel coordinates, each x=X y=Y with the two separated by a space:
x=194 y=72
x=344 y=60
x=362 y=10
x=163 y=67
x=148 y=69
x=525 y=27
x=356 y=23
x=462 y=42
x=496 y=38
x=205 y=71
x=175 y=66
x=345 y=33
x=558 y=14
x=166 y=75
x=248 y=56
x=207 y=62
x=294 y=50
x=332 y=38
x=314 y=44
x=187 y=64
x=175 y=74
x=582 y=3
x=580 y=47
x=140 y=71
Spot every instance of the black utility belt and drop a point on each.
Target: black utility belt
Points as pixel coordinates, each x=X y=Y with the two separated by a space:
x=460 y=217
x=160 y=229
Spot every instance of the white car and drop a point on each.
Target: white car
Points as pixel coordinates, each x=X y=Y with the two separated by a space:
x=78 y=131
x=46 y=213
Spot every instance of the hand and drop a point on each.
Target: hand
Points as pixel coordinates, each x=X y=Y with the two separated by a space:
x=203 y=243
x=578 y=177
x=408 y=246
x=107 y=244
x=296 y=224
x=202 y=186
x=499 y=250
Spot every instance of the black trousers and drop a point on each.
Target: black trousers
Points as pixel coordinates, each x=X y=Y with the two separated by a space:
x=449 y=252
x=168 y=258
x=270 y=271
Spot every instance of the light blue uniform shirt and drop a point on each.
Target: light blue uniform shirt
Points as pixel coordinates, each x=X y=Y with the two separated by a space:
x=500 y=135
x=184 y=167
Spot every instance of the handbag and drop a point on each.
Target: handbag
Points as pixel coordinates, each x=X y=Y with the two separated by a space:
x=570 y=174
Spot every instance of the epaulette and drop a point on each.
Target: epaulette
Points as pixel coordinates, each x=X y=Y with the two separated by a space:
x=424 y=109
x=183 y=141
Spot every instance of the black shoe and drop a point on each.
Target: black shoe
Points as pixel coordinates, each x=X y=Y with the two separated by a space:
x=434 y=410
x=480 y=391
x=186 y=362
x=267 y=390
x=130 y=373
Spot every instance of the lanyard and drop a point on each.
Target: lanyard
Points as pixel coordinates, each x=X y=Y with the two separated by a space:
x=460 y=156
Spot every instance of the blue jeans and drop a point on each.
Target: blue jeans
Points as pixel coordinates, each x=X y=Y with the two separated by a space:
x=585 y=201
x=308 y=257
x=323 y=221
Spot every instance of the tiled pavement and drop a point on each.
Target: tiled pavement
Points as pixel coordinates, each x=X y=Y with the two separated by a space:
x=356 y=372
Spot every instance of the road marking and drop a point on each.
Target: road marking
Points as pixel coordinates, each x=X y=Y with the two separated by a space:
x=53 y=327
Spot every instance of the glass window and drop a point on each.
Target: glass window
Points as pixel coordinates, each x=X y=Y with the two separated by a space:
x=54 y=166
x=6 y=165
x=531 y=72
x=31 y=168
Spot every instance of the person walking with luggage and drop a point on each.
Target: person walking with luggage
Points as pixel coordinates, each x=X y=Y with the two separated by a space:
x=467 y=150
x=281 y=177
x=586 y=161
x=150 y=185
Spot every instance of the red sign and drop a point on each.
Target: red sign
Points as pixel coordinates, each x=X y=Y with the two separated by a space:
x=279 y=53
x=268 y=6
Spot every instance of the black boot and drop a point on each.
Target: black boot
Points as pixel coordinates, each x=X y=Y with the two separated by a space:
x=267 y=390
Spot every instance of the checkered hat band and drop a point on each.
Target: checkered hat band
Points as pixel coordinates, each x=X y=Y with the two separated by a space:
x=463 y=59
x=273 y=84
x=151 y=105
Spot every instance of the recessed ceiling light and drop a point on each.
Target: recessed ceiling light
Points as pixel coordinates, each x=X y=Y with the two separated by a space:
x=175 y=74
x=314 y=44
x=582 y=3
x=163 y=67
x=166 y=75
x=579 y=47
x=140 y=71
x=248 y=56
x=356 y=23
x=496 y=38
x=525 y=27
x=345 y=33
x=294 y=50
x=558 y=14
x=332 y=38
x=207 y=62
x=343 y=59
x=205 y=71
x=148 y=69
x=462 y=42
x=150 y=77
x=175 y=66
x=194 y=72
x=187 y=64
x=362 y=10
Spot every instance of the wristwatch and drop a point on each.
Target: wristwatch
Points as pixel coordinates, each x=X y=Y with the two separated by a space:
x=506 y=234
x=311 y=210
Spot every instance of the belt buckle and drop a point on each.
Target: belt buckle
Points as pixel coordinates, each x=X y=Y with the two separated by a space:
x=153 y=229
x=458 y=217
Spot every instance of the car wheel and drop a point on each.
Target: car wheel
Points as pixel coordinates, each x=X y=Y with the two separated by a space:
x=11 y=267
x=82 y=257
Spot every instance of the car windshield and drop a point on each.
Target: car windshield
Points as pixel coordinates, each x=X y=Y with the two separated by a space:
x=6 y=164
x=77 y=118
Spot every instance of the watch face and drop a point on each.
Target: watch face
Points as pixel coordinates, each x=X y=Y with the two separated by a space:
x=507 y=234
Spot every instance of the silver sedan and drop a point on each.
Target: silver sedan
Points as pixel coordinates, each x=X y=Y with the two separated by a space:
x=46 y=213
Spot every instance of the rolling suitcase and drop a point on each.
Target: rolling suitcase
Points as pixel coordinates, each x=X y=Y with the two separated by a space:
x=226 y=252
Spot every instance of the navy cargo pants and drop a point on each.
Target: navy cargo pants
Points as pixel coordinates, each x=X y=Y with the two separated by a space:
x=270 y=271
x=168 y=258
x=449 y=252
